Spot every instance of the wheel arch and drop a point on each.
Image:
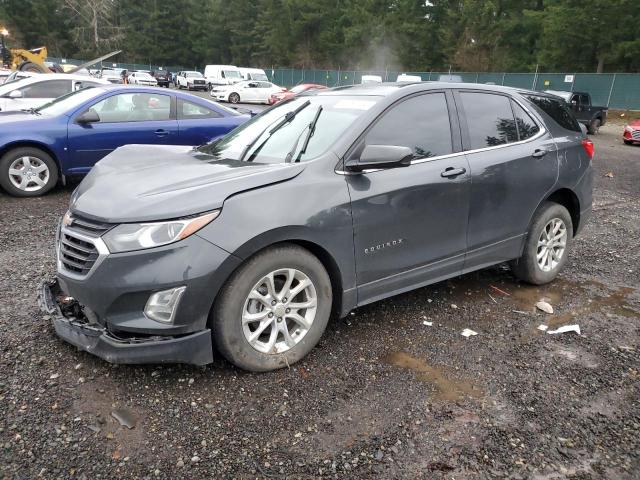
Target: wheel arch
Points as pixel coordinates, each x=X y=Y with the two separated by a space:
x=568 y=199
x=272 y=239
x=31 y=144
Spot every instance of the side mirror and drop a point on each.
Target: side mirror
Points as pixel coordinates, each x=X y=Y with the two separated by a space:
x=15 y=94
x=90 y=116
x=381 y=156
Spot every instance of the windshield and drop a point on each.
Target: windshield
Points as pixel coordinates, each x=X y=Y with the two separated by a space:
x=194 y=74
x=231 y=74
x=143 y=75
x=259 y=76
x=298 y=89
x=337 y=114
x=71 y=100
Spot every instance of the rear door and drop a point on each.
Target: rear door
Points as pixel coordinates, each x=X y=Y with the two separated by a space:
x=513 y=163
x=410 y=223
x=125 y=118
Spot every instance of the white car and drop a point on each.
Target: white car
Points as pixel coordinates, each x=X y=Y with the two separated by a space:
x=246 y=92
x=403 y=77
x=142 y=78
x=41 y=88
x=371 y=79
x=191 y=80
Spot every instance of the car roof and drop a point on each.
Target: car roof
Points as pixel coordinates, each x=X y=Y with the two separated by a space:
x=51 y=76
x=392 y=88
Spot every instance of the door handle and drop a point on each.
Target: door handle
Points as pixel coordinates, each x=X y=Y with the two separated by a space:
x=161 y=133
x=539 y=153
x=453 y=172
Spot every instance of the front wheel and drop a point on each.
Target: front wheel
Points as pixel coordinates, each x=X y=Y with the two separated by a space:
x=547 y=245
x=27 y=172
x=234 y=98
x=627 y=142
x=273 y=310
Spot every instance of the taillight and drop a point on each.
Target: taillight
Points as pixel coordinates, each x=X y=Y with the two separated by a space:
x=588 y=147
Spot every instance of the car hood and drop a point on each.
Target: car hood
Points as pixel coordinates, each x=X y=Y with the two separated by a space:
x=141 y=183
x=634 y=123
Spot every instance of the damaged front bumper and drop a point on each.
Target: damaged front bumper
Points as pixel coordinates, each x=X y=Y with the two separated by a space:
x=73 y=326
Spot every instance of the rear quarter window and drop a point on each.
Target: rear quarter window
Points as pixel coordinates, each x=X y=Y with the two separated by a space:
x=558 y=110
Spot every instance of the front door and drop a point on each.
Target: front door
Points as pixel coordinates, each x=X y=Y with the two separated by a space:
x=410 y=223
x=514 y=164
x=125 y=118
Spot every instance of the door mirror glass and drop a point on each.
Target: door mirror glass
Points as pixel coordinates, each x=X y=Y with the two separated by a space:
x=15 y=94
x=90 y=116
x=381 y=156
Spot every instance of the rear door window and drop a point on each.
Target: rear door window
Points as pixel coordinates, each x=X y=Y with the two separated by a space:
x=490 y=120
x=527 y=128
x=420 y=123
x=188 y=110
x=557 y=110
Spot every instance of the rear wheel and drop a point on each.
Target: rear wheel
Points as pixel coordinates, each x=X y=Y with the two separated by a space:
x=234 y=98
x=594 y=126
x=273 y=310
x=27 y=172
x=547 y=245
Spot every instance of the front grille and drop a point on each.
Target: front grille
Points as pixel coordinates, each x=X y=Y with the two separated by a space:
x=78 y=244
x=636 y=134
x=201 y=82
x=77 y=255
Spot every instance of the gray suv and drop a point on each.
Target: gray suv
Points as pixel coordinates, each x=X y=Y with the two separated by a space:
x=321 y=204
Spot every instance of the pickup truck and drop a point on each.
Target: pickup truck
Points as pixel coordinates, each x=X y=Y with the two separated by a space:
x=580 y=103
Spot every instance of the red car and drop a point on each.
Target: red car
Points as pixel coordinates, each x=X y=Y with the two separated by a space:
x=303 y=87
x=631 y=132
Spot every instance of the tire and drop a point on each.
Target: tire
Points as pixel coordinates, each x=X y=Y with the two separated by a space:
x=627 y=142
x=42 y=172
x=527 y=267
x=594 y=126
x=232 y=335
x=234 y=98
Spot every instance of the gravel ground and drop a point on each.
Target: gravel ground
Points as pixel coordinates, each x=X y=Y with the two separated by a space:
x=382 y=396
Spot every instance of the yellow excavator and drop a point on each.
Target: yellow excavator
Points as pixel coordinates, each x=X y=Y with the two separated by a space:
x=34 y=60
x=26 y=60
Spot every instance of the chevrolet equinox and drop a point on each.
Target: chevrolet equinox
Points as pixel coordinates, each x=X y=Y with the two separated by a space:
x=321 y=204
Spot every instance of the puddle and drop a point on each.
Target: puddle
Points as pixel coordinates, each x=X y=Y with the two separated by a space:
x=448 y=388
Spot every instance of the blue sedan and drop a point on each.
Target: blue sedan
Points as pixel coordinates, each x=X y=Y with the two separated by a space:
x=69 y=135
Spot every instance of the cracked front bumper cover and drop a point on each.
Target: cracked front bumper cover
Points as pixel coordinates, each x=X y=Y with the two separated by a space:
x=72 y=326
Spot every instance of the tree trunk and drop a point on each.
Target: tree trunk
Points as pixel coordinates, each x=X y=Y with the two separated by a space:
x=600 y=68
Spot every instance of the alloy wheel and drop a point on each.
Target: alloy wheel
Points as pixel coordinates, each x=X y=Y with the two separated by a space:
x=279 y=311
x=28 y=173
x=551 y=244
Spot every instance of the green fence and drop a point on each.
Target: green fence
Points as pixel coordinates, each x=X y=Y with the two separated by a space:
x=614 y=90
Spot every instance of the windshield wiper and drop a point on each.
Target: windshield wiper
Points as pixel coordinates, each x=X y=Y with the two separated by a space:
x=288 y=117
x=305 y=144
x=33 y=111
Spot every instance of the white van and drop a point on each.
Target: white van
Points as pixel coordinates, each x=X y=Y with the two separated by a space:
x=221 y=75
x=403 y=77
x=253 y=74
x=371 y=79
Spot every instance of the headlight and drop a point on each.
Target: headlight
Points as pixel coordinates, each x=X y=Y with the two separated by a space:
x=137 y=236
